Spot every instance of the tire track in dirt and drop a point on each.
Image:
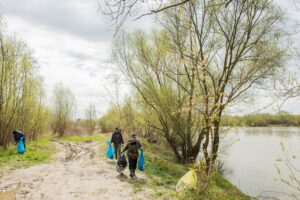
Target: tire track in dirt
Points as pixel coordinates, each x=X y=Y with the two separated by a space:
x=78 y=172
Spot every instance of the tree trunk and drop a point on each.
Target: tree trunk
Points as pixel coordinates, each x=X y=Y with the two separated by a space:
x=215 y=142
x=196 y=148
x=205 y=152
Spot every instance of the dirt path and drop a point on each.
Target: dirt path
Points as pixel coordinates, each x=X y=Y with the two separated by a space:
x=78 y=172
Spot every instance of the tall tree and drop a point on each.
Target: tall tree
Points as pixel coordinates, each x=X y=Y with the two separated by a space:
x=90 y=117
x=214 y=54
x=21 y=90
x=63 y=102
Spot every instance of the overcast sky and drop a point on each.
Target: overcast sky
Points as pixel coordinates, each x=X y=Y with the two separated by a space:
x=71 y=42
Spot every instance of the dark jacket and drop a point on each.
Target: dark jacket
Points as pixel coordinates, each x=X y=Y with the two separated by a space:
x=132 y=148
x=117 y=138
x=18 y=135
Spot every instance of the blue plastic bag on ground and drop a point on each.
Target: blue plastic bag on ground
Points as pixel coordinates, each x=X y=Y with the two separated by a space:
x=20 y=146
x=109 y=151
x=141 y=162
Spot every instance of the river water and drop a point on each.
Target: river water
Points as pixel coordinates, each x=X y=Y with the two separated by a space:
x=250 y=156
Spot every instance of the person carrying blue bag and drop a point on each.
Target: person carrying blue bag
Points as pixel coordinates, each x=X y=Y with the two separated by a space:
x=141 y=161
x=117 y=141
x=133 y=146
x=109 y=151
x=20 y=141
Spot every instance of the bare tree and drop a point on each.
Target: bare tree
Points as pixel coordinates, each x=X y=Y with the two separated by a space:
x=63 y=108
x=120 y=10
x=91 y=116
x=287 y=85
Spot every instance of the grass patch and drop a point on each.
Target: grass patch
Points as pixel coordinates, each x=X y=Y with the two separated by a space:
x=100 y=138
x=218 y=189
x=161 y=166
x=75 y=138
x=164 y=172
x=38 y=151
x=161 y=169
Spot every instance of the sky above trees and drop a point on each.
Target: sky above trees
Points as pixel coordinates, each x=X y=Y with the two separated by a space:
x=71 y=42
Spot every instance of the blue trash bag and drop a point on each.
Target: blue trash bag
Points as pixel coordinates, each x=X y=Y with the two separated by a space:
x=20 y=146
x=110 y=150
x=141 y=162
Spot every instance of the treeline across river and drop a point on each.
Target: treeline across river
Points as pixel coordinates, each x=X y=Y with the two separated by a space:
x=281 y=118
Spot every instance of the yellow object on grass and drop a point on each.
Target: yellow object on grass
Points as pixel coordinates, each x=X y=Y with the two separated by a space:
x=189 y=180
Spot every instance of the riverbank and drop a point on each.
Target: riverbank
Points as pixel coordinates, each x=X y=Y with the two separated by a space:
x=280 y=119
x=162 y=171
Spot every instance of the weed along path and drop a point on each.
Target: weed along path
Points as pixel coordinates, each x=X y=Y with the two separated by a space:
x=78 y=171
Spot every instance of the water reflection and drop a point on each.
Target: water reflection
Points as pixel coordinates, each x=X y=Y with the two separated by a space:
x=250 y=154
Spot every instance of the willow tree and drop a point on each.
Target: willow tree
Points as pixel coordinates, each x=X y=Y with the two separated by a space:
x=214 y=54
x=21 y=91
x=230 y=50
x=90 y=118
x=33 y=115
x=163 y=101
x=63 y=102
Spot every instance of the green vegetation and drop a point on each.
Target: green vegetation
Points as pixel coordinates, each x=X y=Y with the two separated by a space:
x=76 y=138
x=95 y=137
x=281 y=118
x=164 y=172
x=21 y=91
x=218 y=189
x=183 y=77
x=62 y=109
x=38 y=151
x=120 y=116
x=162 y=168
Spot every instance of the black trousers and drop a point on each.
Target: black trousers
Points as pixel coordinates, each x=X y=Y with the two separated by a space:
x=132 y=163
x=117 y=150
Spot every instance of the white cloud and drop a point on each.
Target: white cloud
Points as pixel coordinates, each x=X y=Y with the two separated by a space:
x=71 y=16
x=71 y=44
x=79 y=64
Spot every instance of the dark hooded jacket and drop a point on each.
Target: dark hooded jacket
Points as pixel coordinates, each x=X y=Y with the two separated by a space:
x=117 y=138
x=18 y=135
x=132 y=148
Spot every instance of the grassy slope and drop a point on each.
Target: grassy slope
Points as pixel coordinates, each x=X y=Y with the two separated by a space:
x=94 y=137
x=164 y=172
x=38 y=151
x=218 y=189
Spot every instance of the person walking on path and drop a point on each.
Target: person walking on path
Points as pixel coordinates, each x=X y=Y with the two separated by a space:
x=132 y=149
x=117 y=140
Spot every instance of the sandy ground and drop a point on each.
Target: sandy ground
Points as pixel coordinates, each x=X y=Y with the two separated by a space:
x=78 y=171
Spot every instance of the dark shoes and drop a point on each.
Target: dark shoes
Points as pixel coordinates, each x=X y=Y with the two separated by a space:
x=132 y=173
